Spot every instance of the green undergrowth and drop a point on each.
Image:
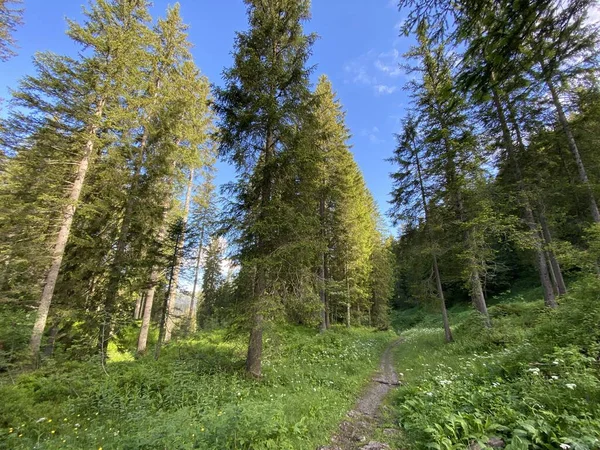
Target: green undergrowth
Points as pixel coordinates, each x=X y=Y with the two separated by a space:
x=532 y=381
x=196 y=395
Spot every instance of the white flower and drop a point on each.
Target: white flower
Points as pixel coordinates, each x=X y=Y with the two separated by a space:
x=571 y=385
x=445 y=382
x=534 y=371
x=565 y=446
x=556 y=363
x=495 y=384
x=430 y=393
x=554 y=377
x=40 y=420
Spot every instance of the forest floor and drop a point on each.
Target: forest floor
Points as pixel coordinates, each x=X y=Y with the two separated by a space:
x=530 y=382
x=361 y=422
x=196 y=396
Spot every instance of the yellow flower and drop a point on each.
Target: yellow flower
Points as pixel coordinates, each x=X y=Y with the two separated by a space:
x=202 y=429
x=49 y=420
x=53 y=431
x=20 y=435
x=10 y=430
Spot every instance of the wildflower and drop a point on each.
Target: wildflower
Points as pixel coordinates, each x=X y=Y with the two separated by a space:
x=10 y=430
x=556 y=363
x=430 y=393
x=20 y=435
x=445 y=382
x=77 y=425
x=571 y=385
x=49 y=420
x=565 y=446
x=40 y=420
x=534 y=371
x=53 y=431
x=554 y=377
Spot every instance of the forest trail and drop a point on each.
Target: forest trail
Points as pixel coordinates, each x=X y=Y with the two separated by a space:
x=362 y=421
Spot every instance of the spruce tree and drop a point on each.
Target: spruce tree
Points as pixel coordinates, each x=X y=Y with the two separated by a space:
x=260 y=108
x=411 y=199
x=79 y=95
x=10 y=18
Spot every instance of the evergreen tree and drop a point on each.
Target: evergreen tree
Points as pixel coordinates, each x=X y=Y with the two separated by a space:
x=212 y=279
x=78 y=96
x=261 y=108
x=411 y=199
x=10 y=18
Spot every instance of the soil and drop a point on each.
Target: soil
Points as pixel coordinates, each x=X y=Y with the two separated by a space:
x=364 y=418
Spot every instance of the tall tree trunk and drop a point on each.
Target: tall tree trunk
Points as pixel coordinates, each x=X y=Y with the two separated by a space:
x=116 y=272
x=63 y=236
x=255 y=343
x=139 y=306
x=440 y=290
x=478 y=296
x=554 y=264
x=347 y=296
x=436 y=269
x=172 y=300
x=322 y=270
x=554 y=267
x=193 y=306
x=328 y=313
x=549 y=298
x=562 y=118
x=476 y=288
x=164 y=317
x=152 y=284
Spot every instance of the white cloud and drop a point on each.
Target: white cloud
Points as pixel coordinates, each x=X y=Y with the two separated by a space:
x=384 y=89
x=594 y=14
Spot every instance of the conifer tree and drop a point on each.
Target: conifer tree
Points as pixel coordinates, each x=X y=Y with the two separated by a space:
x=212 y=279
x=411 y=199
x=261 y=108
x=453 y=147
x=202 y=224
x=78 y=96
x=10 y=18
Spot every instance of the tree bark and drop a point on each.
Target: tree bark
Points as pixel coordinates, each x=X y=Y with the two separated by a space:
x=562 y=118
x=554 y=264
x=549 y=298
x=116 y=272
x=255 y=344
x=193 y=306
x=139 y=307
x=177 y=262
x=322 y=270
x=436 y=270
x=438 y=283
x=63 y=236
x=477 y=294
x=164 y=317
x=152 y=284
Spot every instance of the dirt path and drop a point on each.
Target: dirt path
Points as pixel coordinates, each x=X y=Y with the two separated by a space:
x=363 y=419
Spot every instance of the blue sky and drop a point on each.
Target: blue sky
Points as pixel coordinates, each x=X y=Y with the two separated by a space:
x=359 y=50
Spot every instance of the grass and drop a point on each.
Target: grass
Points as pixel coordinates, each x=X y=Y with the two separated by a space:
x=195 y=396
x=532 y=381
